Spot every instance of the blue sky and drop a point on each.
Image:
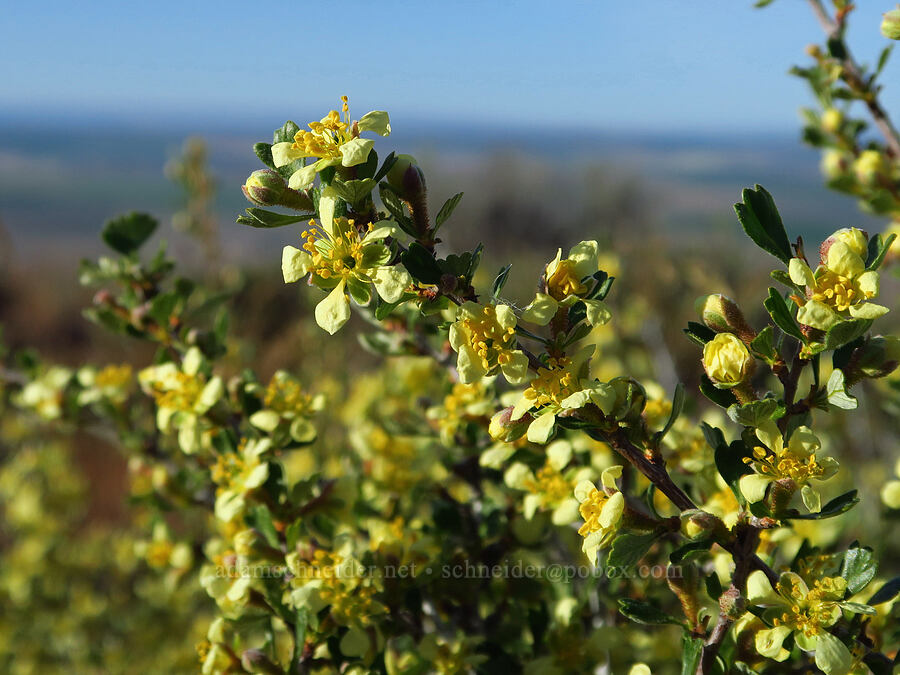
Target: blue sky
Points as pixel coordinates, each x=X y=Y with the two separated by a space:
x=628 y=64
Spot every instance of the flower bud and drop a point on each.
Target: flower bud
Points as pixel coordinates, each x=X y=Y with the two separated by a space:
x=406 y=177
x=855 y=239
x=836 y=165
x=503 y=428
x=869 y=166
x=727 y=361
x=266 y=187
x=255 y=661
x=879 y=356
x=721 y=314
x=630 y=399
x=890 y=24
x=832 y=119
x=697 y=524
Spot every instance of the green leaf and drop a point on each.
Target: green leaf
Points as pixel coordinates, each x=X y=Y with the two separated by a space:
x=627 y=550
x=887 y=592
x=286 y=133
x=269 y=219
x=447 y=210
x=677 y=406
x=883 y=59
x=396 y=208
x=760 y=220
x=729 y=458
x=261 y=519
x=500 y=281
x=389 y=162
x=781 y=315
x=162 y=306
x=688 y=549
x=691 y=652
x=699 y=333
x=264 y=152
x=127 y=233
x=721 y=397
x=354 y=191
x=836 y=392
x=846 y=331
x=420 y=263
x=859 y=569
x=645 y=613
x=835 y=507
x=754 y=413
x=763 y=345
x=878 y=249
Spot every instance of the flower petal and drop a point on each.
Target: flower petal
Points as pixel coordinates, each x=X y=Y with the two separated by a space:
x=377 y=121
x=391 y=282
x=356 y=151
x=295 y=264
x=334 y=311
x=541 y=429
x=801 y=274
x=753 y=486
x=540 y=310
x=284 y=153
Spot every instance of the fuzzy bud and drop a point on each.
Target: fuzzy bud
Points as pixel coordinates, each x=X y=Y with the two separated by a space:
x=630 y=399
x=836 y=165
x=727 y=361
x=832 y=119
x=855 y=239
x=869 y=167
x=721 y=314
x=697 y=524
x=503 y=428
x=266 y=187
x=879 y=356
x=255 y=661
x=890 y=24
x=406 y=177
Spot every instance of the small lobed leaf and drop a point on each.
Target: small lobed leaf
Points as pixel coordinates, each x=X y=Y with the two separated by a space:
x=859 y=568
x=781 y=315
x=126 y=234
x=447 y=210
x=760 y=219
x=645 y=613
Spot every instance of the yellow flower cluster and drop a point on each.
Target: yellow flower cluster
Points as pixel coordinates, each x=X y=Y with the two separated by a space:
x=325 y=138
x=553 y=384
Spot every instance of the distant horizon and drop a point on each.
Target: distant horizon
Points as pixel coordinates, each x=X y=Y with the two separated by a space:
x=705 y=66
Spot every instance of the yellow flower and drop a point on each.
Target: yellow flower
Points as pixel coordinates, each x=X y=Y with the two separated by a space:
x=237 y=474
x=334 y=140
x=726 y=360
x=45 y=393
x=601 y=509
x=285 y=400
x=806 y=612
x=341 y=258
x=569 y=281
x=484 y=336
x=183 y=396
x=560 y=385
x=795 y=464
x=464 y=403
x=841 y=287
x=551 y=487
x=111 y=383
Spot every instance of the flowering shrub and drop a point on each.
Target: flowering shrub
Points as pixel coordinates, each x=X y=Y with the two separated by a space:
x=490 y=498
